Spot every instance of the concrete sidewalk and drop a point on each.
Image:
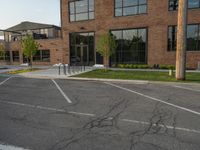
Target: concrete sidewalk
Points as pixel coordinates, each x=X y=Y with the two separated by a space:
x=49 y=72
x=54 y=72
x=4 y=69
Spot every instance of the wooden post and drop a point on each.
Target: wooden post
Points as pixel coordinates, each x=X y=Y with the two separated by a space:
x=181 y=40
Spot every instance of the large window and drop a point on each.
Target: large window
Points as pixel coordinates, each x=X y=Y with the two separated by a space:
x=193 y=38
x=193 y=3
x=15 y=56
x=172 y=32
x=173 y=4
x=193 y=41
x=82 y=48
x=81 y=10
x=131 y=46
x=130 y=7
x=5 y=56
x=42 y=56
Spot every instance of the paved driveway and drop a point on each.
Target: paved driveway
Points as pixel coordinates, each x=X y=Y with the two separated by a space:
x=44 y=114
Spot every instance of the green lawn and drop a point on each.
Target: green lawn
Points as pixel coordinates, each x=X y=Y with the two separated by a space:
x=137 y=75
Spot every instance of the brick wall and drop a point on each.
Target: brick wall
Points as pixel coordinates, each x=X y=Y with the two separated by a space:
x=157 y=20
x=54 y=45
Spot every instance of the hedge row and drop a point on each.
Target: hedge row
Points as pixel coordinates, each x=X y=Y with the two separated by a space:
x=139 y=66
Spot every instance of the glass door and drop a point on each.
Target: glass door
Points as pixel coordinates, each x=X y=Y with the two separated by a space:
x=82 y=55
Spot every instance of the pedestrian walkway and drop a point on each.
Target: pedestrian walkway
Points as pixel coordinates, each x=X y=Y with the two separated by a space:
x=58 y=72
x=6 y=68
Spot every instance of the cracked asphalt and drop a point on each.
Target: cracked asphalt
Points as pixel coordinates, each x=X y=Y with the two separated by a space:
x=35 y=115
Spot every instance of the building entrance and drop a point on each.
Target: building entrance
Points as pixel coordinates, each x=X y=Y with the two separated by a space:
x=82 y=54
x=82 y=50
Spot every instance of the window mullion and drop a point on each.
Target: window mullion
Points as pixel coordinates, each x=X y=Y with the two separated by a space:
x=122 y=7
x=40 y=55
x=199 y=3
x=88 y=9
x=75 y=11
x=198 y=38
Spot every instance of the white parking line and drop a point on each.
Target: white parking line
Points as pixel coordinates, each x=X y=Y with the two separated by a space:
x=83 y=114
x=61 y=91
x=154 y=99
x=47 y=108
x=1 y=83
x=93 y=115
x=186 y=88
x=168 y=127
x=9 y=147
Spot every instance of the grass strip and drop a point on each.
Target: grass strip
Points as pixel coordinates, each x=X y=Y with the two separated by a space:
x=138 y=75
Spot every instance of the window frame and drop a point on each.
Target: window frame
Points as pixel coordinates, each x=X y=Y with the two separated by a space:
x=198 y=49
x=194 y=7
x=84 y=32
x=146 y=45
x=172 y=50
x=128 y=7
x=187 y=8
x=41 y=56
x=14 y=57
x=169 y=6
x=88 y=11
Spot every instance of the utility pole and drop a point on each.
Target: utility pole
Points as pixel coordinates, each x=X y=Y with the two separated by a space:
x=181 y=40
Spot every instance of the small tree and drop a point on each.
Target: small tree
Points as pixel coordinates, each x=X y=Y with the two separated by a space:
x=29 y=47
x=2 y=51
x=106 y=47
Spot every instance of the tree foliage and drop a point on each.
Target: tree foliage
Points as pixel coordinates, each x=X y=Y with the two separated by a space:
x=106 y=46
x=29 y=47
x=2 y=50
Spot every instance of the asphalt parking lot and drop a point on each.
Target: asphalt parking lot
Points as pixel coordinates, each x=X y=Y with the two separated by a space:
x=45 y=114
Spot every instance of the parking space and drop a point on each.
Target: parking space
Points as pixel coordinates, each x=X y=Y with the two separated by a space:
x=45 y=114
x=2 y=79
x=32 y=91
x=184 y=95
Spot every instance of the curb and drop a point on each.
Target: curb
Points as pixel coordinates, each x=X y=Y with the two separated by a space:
x=132 y=81
x=98 y=79
x=102 y=80
x=110 y=80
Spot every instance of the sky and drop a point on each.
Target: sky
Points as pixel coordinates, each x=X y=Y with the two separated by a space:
x=13 y=12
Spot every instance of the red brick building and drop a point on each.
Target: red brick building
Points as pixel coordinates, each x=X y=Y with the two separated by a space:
x=145 y=31
x=48 y=36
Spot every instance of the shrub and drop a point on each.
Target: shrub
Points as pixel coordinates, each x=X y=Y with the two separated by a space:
x=167 y=67
x=133 y=66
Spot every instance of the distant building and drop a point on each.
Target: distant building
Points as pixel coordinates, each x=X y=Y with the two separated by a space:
x=48 y=37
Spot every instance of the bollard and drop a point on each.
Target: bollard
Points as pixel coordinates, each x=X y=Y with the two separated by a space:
x=59 y=70
x=73 y=69
x=69 y=69
x=64 y=69
x=170 y=72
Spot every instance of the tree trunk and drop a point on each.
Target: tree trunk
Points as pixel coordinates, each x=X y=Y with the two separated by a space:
x=31 y=62
x=106 y=61
x=181 y=40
